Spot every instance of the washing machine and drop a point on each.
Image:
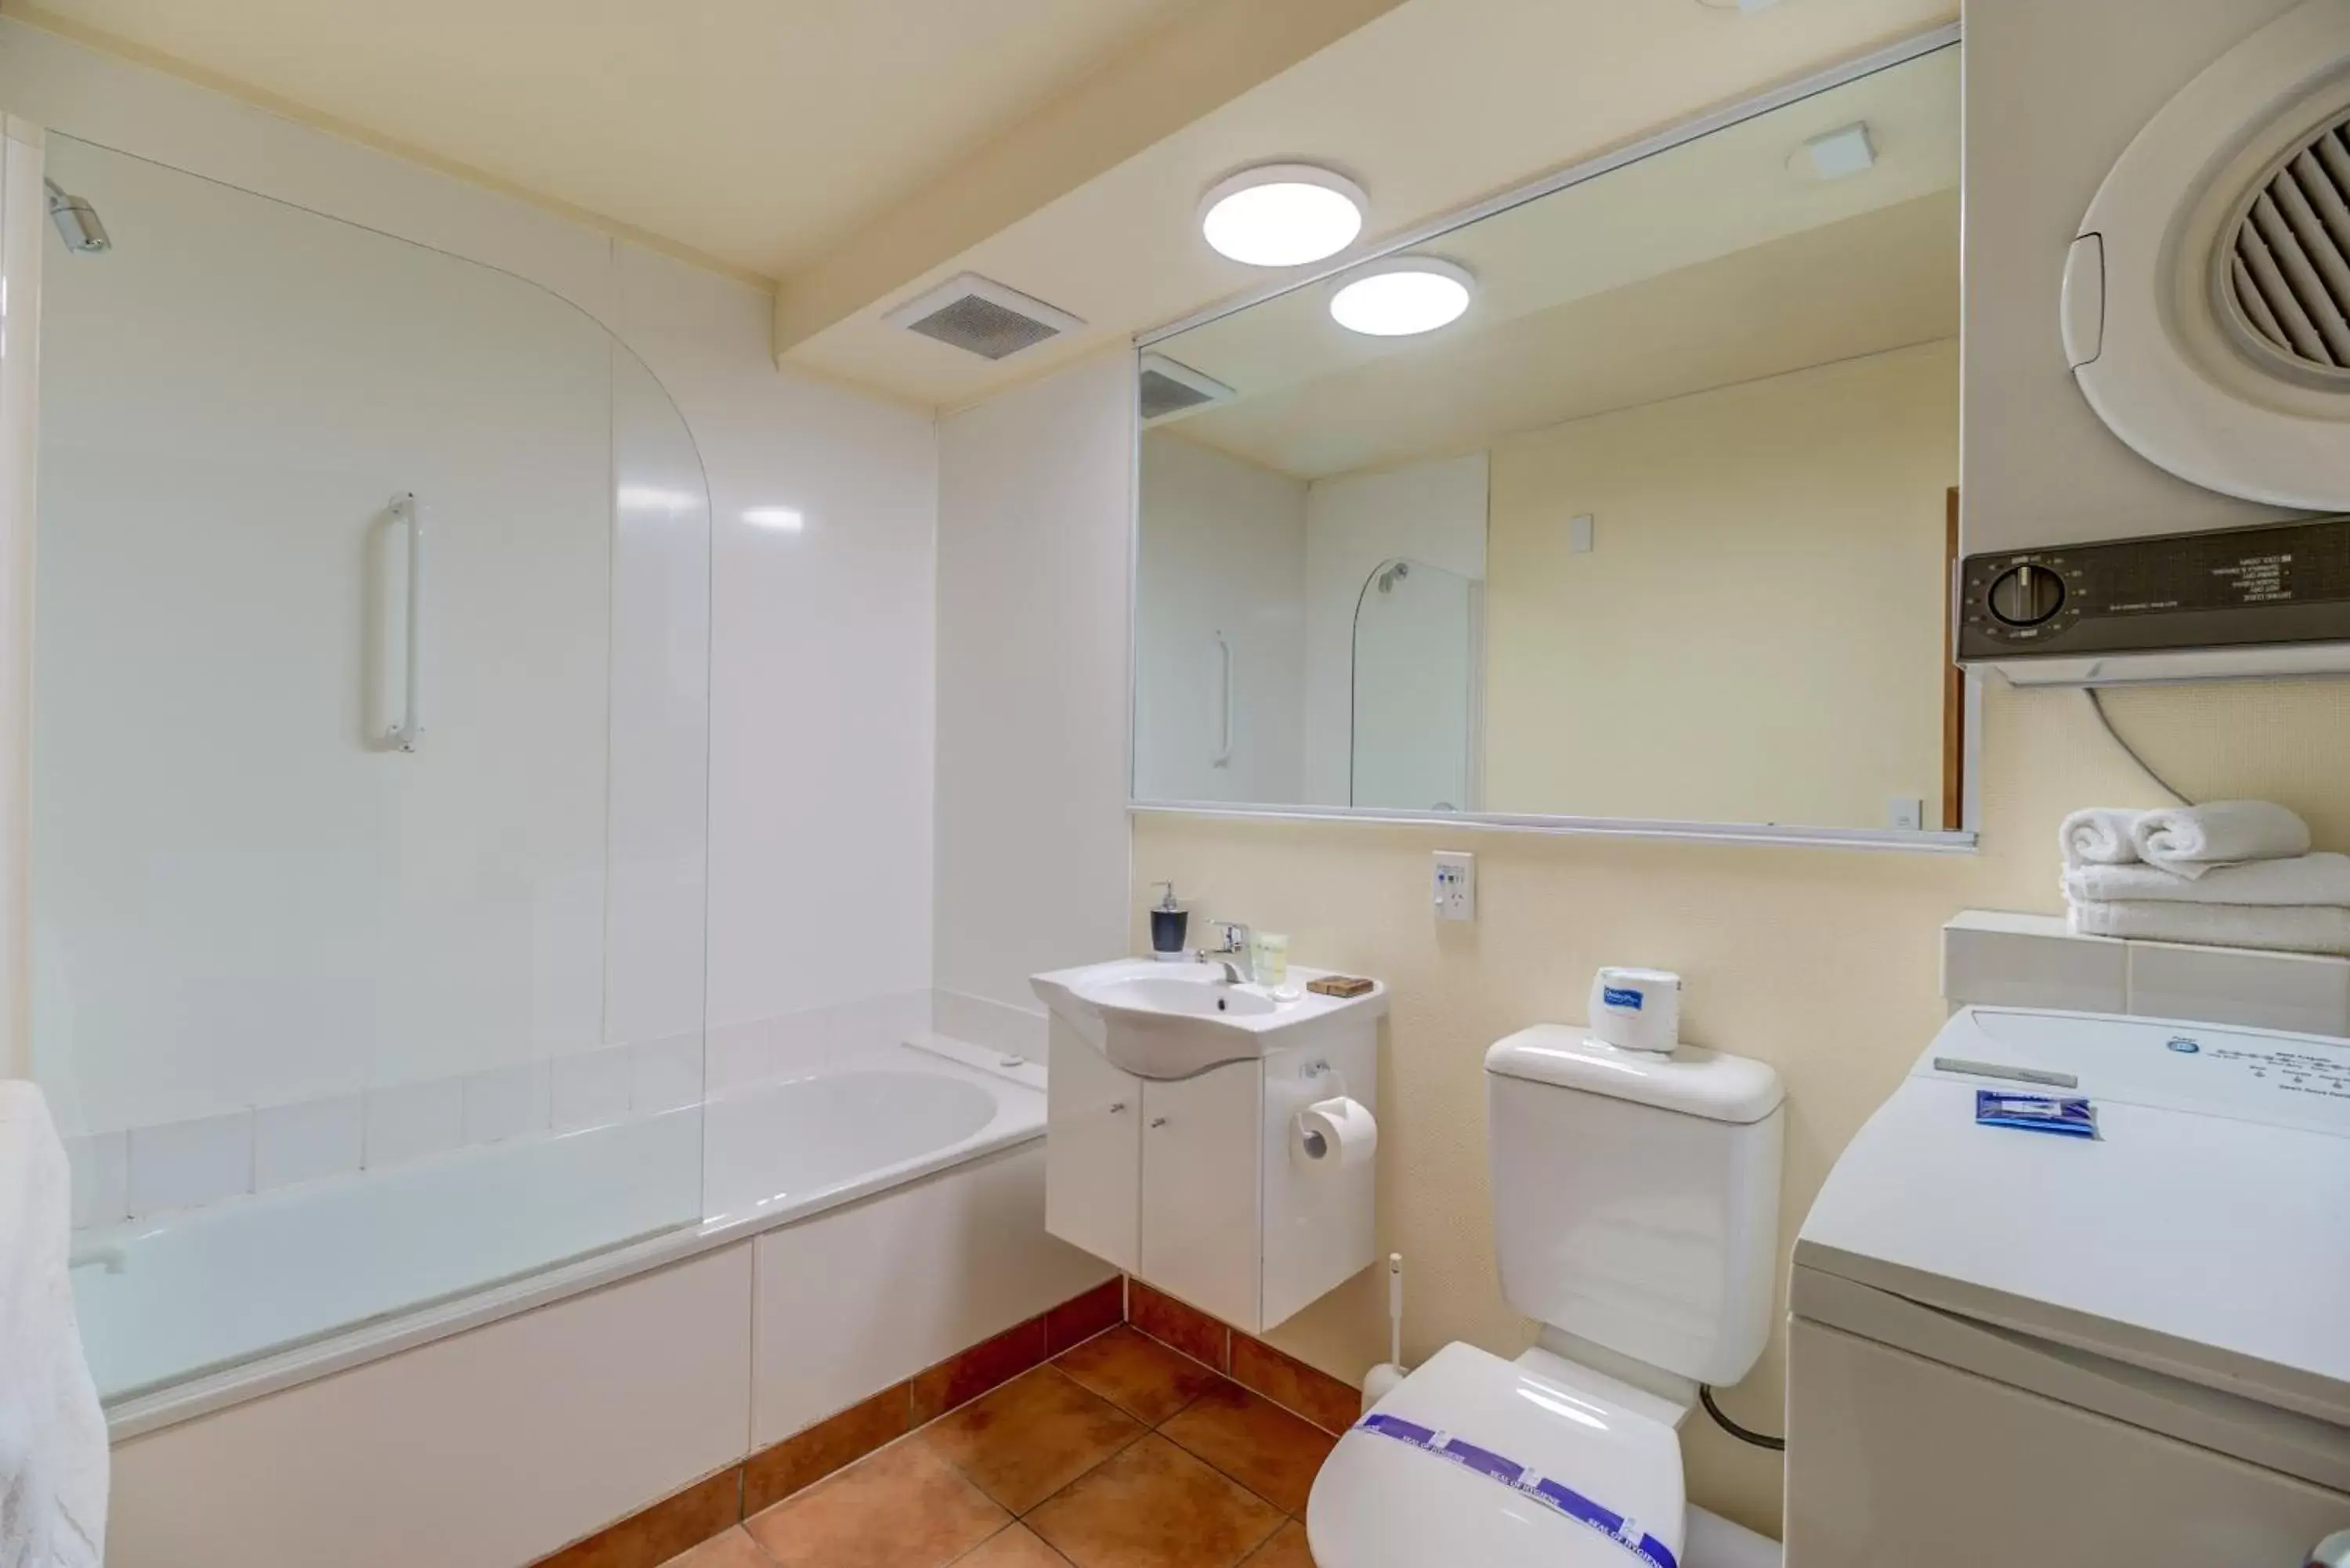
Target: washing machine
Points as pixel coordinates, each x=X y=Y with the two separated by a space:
x=2079 y=1293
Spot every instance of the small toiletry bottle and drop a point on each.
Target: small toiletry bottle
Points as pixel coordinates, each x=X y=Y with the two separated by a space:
x=1168 y=919
x=1269 y=958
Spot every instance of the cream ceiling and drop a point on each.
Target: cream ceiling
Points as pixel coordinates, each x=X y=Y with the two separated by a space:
x=856 y=151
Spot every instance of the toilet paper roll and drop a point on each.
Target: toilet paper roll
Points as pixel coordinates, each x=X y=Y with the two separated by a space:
x=1333 y=1135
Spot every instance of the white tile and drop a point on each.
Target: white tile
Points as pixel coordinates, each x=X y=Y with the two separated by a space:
x=666 y=1074
x=741 y=1054
x=307 y=1140
x=2299 y=991
x=506 y=1102
x=1017 y=1030
x=2031 y=961
x=799 y=1044
x=100 y=1168
x=178 y=1165
x=408 y=1121
x=880 y=1020
x=589 y=1088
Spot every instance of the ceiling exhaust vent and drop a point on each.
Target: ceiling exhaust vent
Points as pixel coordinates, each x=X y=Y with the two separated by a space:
x=1170 y=387
x=983 y=318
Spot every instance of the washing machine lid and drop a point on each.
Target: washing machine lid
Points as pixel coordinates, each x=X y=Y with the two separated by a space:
x=2200 y=1231
x=1476 y=1459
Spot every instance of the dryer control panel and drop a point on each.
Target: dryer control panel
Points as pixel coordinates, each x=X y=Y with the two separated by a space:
x=2245 y=587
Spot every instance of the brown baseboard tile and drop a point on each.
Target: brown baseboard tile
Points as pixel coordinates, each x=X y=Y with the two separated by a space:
x=1186 y=1328
x=773 y=1473
x=1303 y=1390
x=651 y=1536
x=959 y=1380
x=1095 y=1312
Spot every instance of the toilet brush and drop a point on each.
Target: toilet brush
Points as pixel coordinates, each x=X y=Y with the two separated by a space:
x=1382 y=1378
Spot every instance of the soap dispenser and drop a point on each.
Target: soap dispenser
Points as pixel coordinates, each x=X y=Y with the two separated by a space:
x=1168 y=921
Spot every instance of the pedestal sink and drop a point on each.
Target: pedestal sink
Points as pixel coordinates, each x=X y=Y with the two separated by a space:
x=1173 y=1021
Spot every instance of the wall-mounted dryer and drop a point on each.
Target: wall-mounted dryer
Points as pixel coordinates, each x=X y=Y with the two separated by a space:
x=2207 y=300
x=2158 y=232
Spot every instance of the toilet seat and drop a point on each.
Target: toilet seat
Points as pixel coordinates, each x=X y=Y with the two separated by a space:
x=1503 y=1464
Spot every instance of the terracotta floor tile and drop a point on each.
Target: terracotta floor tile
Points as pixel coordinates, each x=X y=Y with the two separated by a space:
x=1286 y=1550
x=774 y=1473
x=1154 y=1506
x=1291 y=1384
x=1018 y=1547
x=1031 y=1437
x=1256 y=1442
x=901 y=1508
x=1187 y=1328
x=1138 y=1374
x=965 y=1377
x=735 y=1549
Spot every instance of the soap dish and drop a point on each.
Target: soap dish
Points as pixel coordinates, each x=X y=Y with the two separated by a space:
x=1341 y=985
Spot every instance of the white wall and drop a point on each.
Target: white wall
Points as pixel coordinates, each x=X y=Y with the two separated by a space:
x=1221 y=553
x=1431 y=511
x=1035 y=497
x=821 y=654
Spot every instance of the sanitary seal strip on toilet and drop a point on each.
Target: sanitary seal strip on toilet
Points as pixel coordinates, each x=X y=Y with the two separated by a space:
x=1525 y=1481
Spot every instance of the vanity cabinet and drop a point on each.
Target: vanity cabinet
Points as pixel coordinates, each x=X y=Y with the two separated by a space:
x=1190 y=1184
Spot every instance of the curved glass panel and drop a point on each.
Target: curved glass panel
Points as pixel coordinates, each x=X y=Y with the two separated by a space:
x=1414 y=688
x=368 y=772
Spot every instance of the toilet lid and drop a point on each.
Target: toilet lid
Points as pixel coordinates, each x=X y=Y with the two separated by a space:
x=1476 y=1459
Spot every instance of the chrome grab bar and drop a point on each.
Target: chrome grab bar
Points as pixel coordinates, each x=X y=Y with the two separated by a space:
x=406 y=515
x=1224 y=755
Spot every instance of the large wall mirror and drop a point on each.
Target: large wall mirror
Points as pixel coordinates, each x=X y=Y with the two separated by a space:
x=1659 y=530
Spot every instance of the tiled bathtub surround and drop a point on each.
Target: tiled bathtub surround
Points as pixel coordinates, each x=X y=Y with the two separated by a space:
x=169 y=1165
x=1073 y=1439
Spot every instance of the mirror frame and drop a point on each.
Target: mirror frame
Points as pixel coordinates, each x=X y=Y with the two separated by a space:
x=1955 y=841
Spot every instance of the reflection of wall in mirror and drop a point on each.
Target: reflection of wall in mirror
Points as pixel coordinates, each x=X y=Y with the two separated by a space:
x=1757 y=635
x=1432 y=513
x=1220 y=554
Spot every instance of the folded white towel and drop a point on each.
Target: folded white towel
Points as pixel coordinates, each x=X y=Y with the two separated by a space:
x=52 y=1435
x=2192 y=839
x=2292 y=929
x=2305 y=879
x=2099 y=836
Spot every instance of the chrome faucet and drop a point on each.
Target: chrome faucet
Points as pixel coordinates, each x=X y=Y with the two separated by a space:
x=1235 y=939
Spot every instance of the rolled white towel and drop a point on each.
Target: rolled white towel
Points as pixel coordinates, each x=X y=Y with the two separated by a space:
x=2310 y=879
x=2190 y=840
x=2292 y=928
x=2099 y=836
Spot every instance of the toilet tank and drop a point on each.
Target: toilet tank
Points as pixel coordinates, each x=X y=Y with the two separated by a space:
x=1636 y=1196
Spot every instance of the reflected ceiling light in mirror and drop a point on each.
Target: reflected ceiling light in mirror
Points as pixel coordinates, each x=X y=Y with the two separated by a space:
x=1401 y=298
x=776 y=519
x=1283 y=214
x=1837 y=154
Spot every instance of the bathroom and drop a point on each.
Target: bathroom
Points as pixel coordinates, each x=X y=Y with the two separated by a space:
x=570 y=665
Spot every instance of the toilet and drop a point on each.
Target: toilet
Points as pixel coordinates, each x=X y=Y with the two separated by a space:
x=1636 y=1201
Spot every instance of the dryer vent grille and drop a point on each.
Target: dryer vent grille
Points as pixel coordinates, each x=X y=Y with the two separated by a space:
x=2288 y=262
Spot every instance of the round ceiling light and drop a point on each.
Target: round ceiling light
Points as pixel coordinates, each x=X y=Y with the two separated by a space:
x=1283 y=214
x=1403 y=296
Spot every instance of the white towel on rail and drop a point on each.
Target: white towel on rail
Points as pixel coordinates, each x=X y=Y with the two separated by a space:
x=2291 y=929
x=53 y=1462
x=2099 y=836
x=2192 y=839
x=2321 y=878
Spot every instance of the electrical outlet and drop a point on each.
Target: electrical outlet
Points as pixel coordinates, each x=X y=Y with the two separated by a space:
x=1456 y=886
x=1905 y=814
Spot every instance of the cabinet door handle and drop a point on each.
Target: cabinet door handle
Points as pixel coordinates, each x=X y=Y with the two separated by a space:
x=1116 y=1106
x=1158 y=1121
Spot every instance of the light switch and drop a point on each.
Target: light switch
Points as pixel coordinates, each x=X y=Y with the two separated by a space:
x=1905 y=814
x=1578 y=534
x=1456 y=886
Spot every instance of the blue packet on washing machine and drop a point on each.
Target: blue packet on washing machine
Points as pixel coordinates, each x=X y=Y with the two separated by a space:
x=2066 y=1115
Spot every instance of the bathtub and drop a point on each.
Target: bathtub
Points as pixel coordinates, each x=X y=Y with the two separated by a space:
x=365 y=1265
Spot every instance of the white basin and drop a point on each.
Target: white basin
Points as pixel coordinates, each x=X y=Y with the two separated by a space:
x=1170 y=1021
